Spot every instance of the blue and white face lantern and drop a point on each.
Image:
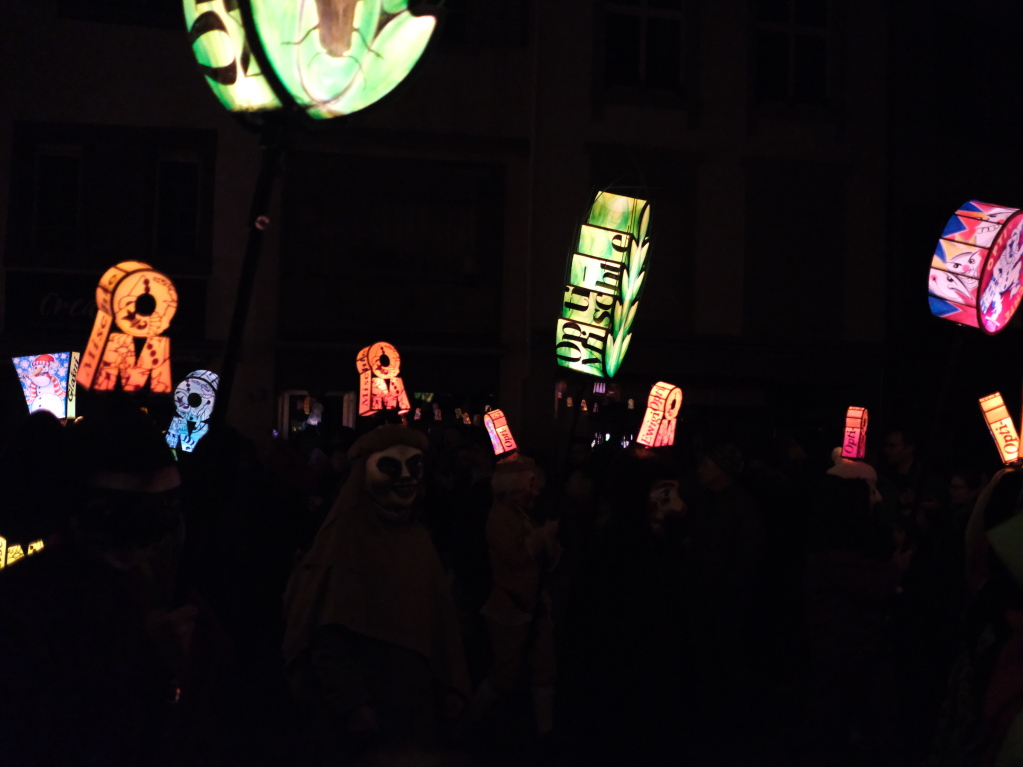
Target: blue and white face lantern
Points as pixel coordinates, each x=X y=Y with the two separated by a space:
x=194 y=398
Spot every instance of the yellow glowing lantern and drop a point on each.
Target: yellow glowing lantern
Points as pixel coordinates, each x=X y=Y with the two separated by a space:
x=854 y=443
x=380 y=385
x=500 y=433
x=662 y=406
x=1002 y=429
x=194 y=399
x=141 y=302
x=11 y=553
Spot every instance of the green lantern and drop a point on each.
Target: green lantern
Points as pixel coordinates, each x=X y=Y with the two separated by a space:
x=605 y=278
x=327 y=57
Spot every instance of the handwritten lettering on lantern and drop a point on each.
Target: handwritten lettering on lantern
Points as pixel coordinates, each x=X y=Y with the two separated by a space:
x=662 y=406
x=1002 y=429
x=605 y=278
x=975 y=271
x=854 y=443
x=141 y=302
x=194 y=398
x=380 y=385
x=48 y=381
x=328 y=57
x=500 y=433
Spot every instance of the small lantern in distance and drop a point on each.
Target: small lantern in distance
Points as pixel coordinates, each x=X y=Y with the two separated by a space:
x=854 y=443
x=380 y=384
x=194 y=398
x=975 y=271
x=1002 y=429
x=48 y=381
x=663 y=404
x=500 y=433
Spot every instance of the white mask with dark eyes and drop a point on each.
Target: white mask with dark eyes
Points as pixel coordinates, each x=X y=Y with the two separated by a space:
x=393 y=479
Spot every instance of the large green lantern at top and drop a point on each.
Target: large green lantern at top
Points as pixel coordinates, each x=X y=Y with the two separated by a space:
x=328 y=57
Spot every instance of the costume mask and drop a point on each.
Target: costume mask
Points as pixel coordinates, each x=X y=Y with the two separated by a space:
x=393 y=478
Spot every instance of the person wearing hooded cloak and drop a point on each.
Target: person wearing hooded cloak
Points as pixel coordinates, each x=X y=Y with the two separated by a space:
x=372 y=648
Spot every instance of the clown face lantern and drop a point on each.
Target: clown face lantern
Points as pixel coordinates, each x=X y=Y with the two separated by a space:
x=1002 y=429
x=500 y=433
x=854 y=443
x=975 y=270
x=194 y=398
x=141 y=302
x=393 y=478
x=48 y=381
x=663 y=404
x=380 y=385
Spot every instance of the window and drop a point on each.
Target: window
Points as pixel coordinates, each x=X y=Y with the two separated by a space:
x=644 y=45
x=793 y=52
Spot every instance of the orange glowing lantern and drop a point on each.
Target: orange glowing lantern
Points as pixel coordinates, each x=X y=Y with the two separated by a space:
x=854 y=444
x=500 y=433
x=380 y=385
x=142 y=303
x=662 y=406
x=1002 y=429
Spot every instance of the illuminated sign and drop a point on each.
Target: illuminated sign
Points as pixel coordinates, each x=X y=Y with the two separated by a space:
x=1002 y=429
x=9 y=554
x=141 y=302
x=605 y=278
x=975 y=270
x=662 y=406
x=380 y=385
x=327 y=57
x=48 y=381
x=194 y=398
x=500 y=433
x=854 y=443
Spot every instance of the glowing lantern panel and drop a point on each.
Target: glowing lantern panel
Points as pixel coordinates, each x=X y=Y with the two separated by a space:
x=975 y=271
x=194 y=399
x=603 y=286
x=658 y=427
x=332 y=57
x=854 y=443
x=1003 y=430
x=48 y=381
x=500 y=433
x=380 y=385
x=141 y=302
x=11 y=553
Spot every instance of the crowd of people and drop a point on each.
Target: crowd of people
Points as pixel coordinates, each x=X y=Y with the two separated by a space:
x=401 y=596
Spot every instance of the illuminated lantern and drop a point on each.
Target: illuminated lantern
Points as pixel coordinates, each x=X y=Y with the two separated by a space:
x=854 y=444
x=194 y=398
x=327 y=57
x=975 y=270
x=142 y=303
x=9 y=554
x=662 y=406
x=605 y=278
x=48 y=381
x=500 y=433
x=380 y=385
x=1003 y=430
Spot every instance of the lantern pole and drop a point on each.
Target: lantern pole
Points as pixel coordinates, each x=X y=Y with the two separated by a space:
x=259 y=222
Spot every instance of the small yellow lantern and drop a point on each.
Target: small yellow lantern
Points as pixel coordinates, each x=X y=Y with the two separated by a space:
x=663 y=404
x=500 y=433
x=1002 y=429
x=380 y=385
x=854 y=443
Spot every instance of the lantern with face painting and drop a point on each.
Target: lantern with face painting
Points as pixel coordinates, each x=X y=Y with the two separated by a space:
x=380 y=384
x=141 y=302
x=194 y=399
x=48 y=381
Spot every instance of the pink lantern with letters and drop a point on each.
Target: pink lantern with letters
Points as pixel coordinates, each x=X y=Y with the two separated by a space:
x=663 y=404
x=500 y=433
x=854 y=443
x=380 y=385
x=1002 y=429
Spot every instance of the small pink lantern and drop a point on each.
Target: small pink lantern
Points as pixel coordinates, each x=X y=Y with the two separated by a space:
x=854 y=444
x=662 y=406
x=1002 y=429
x=500 y=433
x=975 y=271
x=380 y=385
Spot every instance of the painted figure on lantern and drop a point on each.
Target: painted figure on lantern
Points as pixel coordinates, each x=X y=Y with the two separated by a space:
x=48 y=382
x=194 y=398
x=141 y=302
x=380 y=384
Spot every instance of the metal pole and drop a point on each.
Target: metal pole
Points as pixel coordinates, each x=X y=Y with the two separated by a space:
x=259 y=222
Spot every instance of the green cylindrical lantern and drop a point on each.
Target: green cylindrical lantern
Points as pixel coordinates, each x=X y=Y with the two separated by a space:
x=327 y=57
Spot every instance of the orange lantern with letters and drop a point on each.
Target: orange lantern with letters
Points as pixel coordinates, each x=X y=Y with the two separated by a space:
x=380 y=385
x=141 y=302
x=854 y=441
x=663 y=404
x=500 y=433
x=1002 y=429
